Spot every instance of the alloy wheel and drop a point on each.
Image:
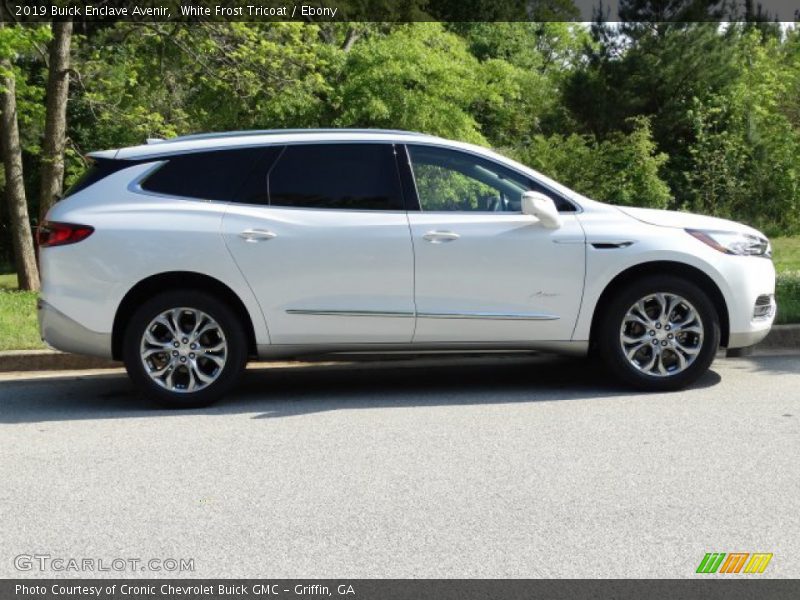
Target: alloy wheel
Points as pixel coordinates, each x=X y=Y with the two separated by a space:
x=661 y=334
x=183 y=350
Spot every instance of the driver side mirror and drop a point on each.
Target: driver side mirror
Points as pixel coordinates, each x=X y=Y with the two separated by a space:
x=543 y=208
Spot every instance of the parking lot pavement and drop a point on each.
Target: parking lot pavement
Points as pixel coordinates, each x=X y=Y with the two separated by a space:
x=525 y=466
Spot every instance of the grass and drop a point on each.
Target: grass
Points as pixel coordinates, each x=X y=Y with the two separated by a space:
x=20 y=331
x=8 y=281
x=786 y=254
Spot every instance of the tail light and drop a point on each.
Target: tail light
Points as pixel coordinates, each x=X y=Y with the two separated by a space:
x=51 y=233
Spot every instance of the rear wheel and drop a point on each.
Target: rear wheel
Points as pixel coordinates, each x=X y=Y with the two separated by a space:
x=659 y=333
x=184 y=349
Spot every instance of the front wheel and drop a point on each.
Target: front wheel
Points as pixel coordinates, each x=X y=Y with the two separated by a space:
x=659 y=333
x=184 y=349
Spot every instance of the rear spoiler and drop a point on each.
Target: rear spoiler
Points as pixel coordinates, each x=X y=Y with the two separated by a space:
x=112 y=154
x=108 y=154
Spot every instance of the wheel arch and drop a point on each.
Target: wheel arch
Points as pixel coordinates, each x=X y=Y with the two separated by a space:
x=160 y=282
x=689 y=272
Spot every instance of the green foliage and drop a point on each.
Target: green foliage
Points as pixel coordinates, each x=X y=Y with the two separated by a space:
x=547 y=47
x=22 y=48
x=657 y=70
x=787 y=296
x=623 y=169
x=445 y=189
x=786 y=256
x=418 y=77
x=745 y=155
x=16 y=42
x=524 y=66
x=164 y=79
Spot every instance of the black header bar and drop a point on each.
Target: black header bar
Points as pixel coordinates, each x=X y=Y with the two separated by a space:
x=27 y=11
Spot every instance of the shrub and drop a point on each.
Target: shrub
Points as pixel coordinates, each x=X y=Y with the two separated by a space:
x=787 y=293
x=623 y=169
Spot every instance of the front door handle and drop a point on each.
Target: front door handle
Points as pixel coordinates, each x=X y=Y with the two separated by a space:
x=257 y=235
x=440 y=237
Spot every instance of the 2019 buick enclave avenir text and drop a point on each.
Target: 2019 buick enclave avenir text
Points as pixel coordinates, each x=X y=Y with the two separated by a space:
x=186 y=257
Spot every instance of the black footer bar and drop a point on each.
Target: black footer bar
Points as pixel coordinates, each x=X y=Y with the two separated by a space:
x=397 y=589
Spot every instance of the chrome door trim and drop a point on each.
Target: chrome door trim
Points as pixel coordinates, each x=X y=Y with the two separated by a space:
x=429 y=315
x=491 y=315
x=348 y=313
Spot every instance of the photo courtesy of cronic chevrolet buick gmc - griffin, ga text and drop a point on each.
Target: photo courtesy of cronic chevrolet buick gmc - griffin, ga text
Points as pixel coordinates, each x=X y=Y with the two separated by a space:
x=185 y=258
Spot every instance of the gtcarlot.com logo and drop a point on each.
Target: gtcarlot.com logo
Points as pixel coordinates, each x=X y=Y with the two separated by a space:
x=46 y=562
x=734 y=562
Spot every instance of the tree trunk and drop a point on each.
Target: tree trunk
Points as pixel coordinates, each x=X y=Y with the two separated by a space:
x=27 y=271
x=55 y=125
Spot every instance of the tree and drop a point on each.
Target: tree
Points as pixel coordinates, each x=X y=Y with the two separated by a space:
x=746 y=151
x=52 y=166
x=417 y=77
x=24 y=254
x=162 y=79
x=653 y=67
x=523 y=67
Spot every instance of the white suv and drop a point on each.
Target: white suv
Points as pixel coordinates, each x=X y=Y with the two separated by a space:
x=186 y=257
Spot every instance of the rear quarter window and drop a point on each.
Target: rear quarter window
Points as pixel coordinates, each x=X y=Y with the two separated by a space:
x=98 y=168
x=216 y=175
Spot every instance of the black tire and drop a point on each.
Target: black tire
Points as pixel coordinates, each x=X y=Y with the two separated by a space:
x=225 y=377
x=610 y=348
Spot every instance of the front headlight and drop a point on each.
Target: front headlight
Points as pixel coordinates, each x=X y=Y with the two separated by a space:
x=731 y=242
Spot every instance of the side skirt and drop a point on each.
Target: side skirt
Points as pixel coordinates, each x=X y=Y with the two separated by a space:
x=272 y=351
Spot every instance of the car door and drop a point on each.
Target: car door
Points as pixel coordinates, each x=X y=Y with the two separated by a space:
x=485 y=272
x=322 y=238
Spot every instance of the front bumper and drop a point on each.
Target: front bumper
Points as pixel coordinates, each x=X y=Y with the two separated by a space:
x=62 y=333
x=748 y=285
x=743 y=339
x=758 y=327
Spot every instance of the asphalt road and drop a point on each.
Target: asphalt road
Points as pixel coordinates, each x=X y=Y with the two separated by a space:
x=480 y=467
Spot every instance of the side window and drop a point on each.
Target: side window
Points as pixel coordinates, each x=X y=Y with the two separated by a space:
x=449 y=180
x=336 y=176
x=217 y=175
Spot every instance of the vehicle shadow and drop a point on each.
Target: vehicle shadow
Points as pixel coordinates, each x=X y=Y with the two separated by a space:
x=284 y=391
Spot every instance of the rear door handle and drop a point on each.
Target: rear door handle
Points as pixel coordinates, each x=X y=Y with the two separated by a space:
x=257 y=235
x=440 y=237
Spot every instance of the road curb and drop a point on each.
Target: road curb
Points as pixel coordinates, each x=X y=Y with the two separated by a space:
x=51 y=360
x=781 y=336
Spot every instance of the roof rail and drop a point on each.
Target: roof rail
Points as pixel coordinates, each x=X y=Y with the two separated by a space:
x=225 y=134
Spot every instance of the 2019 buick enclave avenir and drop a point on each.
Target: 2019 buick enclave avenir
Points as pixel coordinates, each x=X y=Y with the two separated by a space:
x=186 y=257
